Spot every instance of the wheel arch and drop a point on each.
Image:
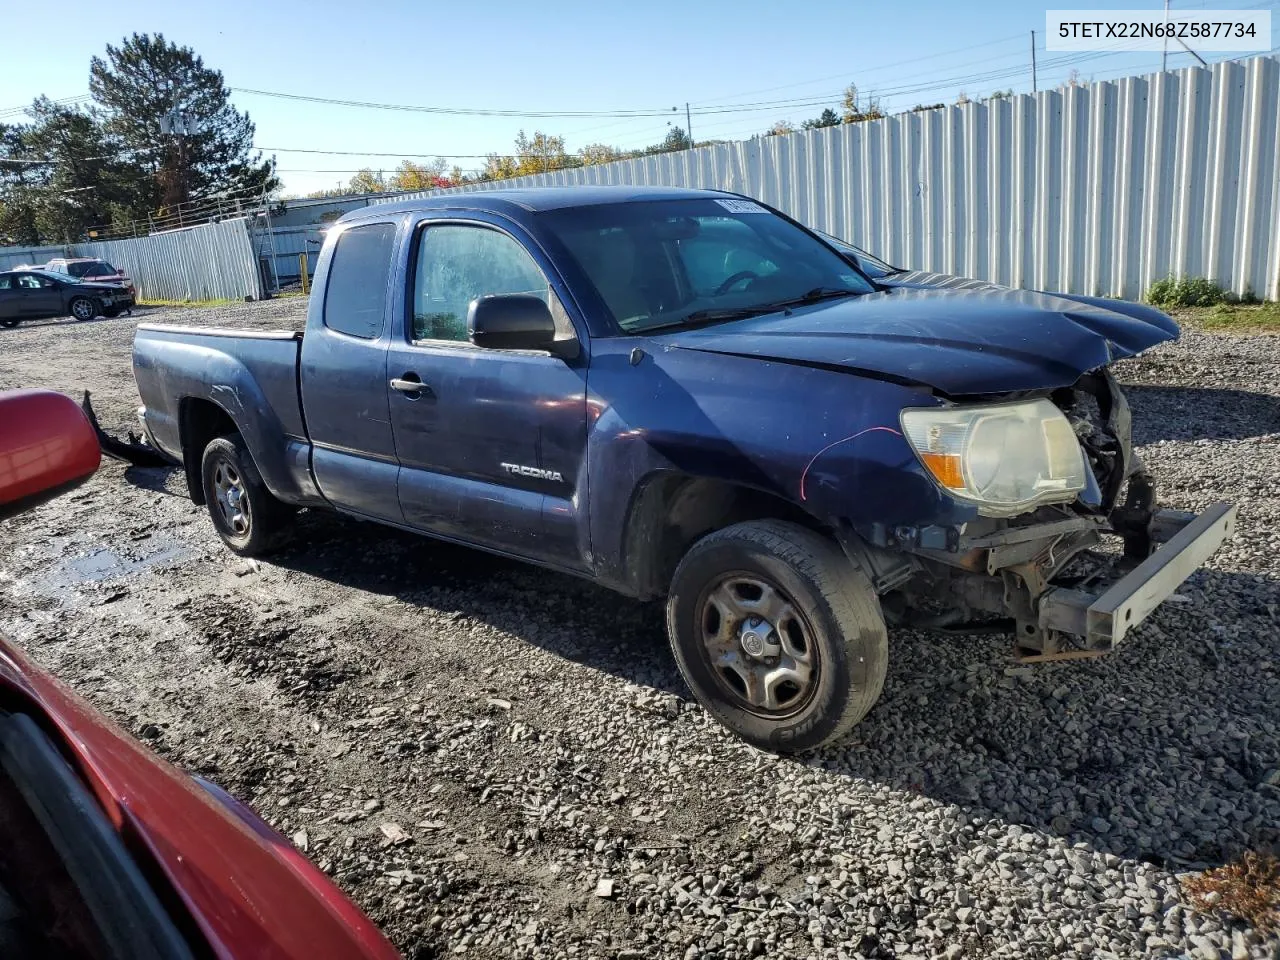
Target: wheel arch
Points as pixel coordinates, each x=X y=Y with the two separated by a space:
x=199 y=421
x=671 y=510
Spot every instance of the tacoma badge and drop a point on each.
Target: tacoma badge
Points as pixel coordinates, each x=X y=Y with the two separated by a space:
x=532 y=472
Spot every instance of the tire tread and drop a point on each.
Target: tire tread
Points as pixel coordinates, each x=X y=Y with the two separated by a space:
x=842 y=586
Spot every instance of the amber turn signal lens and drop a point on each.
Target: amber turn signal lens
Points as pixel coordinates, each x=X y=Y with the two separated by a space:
x=945 y=468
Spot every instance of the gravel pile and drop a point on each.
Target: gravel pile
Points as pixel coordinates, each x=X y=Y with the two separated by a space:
x=496 y=761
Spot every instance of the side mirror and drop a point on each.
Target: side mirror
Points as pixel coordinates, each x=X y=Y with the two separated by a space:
x=516 y=321
x=47 y=447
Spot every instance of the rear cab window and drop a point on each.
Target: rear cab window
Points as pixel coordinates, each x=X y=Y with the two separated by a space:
x=355 y=296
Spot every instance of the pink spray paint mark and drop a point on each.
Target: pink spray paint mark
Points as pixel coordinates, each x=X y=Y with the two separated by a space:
x=837 y=443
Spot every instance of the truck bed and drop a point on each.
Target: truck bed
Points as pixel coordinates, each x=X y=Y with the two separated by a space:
x=253 y=369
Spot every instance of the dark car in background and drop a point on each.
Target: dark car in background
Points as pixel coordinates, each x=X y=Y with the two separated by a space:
x=35 y=294
x=92 y=270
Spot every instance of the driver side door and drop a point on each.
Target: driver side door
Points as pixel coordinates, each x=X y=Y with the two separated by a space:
x=39 y=296
x=492 y=446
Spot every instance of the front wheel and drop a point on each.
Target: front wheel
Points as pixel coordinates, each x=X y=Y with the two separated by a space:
x=778 y=634
x=83 y=308
x=250 y=521
x=9 y=323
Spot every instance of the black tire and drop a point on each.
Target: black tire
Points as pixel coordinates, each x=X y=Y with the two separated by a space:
x=261 y=522
x=832 y=615
x=9 y=323
x=83 y=308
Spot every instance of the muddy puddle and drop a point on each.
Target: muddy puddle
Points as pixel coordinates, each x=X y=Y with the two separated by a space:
x=80 y=573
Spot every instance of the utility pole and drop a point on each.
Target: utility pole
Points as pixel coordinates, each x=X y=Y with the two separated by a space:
x=688 y=124
x=1164 y=57
x=1033 y=61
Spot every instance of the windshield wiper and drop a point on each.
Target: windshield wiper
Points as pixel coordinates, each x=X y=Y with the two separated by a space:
x=712 y=315
x=816 y=295
x=724 y=314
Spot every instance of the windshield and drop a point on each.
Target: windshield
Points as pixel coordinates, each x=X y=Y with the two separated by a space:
x=871 y=265
x=90 y=268
x=672 y=262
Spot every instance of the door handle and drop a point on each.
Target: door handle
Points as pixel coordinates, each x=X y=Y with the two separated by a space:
x=410 y=385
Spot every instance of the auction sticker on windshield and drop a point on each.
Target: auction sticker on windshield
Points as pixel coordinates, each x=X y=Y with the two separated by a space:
x=741 y=206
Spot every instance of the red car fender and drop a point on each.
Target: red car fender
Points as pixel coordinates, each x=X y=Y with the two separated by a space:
x=248 y=890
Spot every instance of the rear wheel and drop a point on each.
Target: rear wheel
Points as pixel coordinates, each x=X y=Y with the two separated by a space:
x=9 y=323
x=250 y=521
x=779 y=636
x=83 y=308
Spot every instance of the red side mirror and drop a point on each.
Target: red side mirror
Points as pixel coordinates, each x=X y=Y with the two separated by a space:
x=47 y=447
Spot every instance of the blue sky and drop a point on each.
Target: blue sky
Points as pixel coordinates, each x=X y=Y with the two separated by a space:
x=567 y=56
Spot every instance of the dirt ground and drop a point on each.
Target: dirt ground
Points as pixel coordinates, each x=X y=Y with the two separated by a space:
x=530 y=737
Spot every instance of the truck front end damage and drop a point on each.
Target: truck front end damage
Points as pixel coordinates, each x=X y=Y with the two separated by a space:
x=1070 y=579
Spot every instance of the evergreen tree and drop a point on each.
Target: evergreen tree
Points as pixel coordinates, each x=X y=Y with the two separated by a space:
x=147 y=82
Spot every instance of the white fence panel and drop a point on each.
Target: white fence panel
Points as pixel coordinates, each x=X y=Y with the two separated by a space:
x=213 y=261
x=11 y=257
x=1096 y=189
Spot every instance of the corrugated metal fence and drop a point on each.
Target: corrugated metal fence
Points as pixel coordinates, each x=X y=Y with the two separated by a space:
x=1097 y=189
x=11 y=257
x=212 y=261
x=282 y=247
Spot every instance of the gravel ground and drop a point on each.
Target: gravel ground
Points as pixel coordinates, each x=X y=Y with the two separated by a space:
x=502 y=762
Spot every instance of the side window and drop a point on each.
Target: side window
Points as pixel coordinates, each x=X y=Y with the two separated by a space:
x=6 y=283
x=355 y=296
x=458 y=264
x=30 y=282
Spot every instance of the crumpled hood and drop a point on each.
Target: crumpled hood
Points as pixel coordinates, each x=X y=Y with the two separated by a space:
x=958 y=341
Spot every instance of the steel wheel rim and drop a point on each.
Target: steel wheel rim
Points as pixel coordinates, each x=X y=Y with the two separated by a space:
x=82 y=309
x=233 y=503
x=758 y=645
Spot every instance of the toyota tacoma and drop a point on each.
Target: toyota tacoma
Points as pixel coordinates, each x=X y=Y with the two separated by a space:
x=685 y=394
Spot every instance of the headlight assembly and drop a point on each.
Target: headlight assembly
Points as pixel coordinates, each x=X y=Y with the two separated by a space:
x=1006 y=458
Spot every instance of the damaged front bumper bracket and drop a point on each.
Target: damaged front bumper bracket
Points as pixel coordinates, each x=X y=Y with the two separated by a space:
x=1102 y=619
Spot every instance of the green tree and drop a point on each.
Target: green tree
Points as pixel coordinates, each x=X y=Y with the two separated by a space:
x=65 y=175
x=148 y=79
x=676 y=139
x=828 y=118
x=21 y=180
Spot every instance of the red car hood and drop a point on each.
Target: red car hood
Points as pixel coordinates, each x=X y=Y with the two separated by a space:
x=251 y=893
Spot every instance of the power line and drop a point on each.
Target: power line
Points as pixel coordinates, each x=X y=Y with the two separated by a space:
x=877 y=69
x=65 y=101
x=455 y=111
x=381 y=153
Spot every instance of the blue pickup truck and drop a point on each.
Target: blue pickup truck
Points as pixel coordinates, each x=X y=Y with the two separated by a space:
x=687 y=395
